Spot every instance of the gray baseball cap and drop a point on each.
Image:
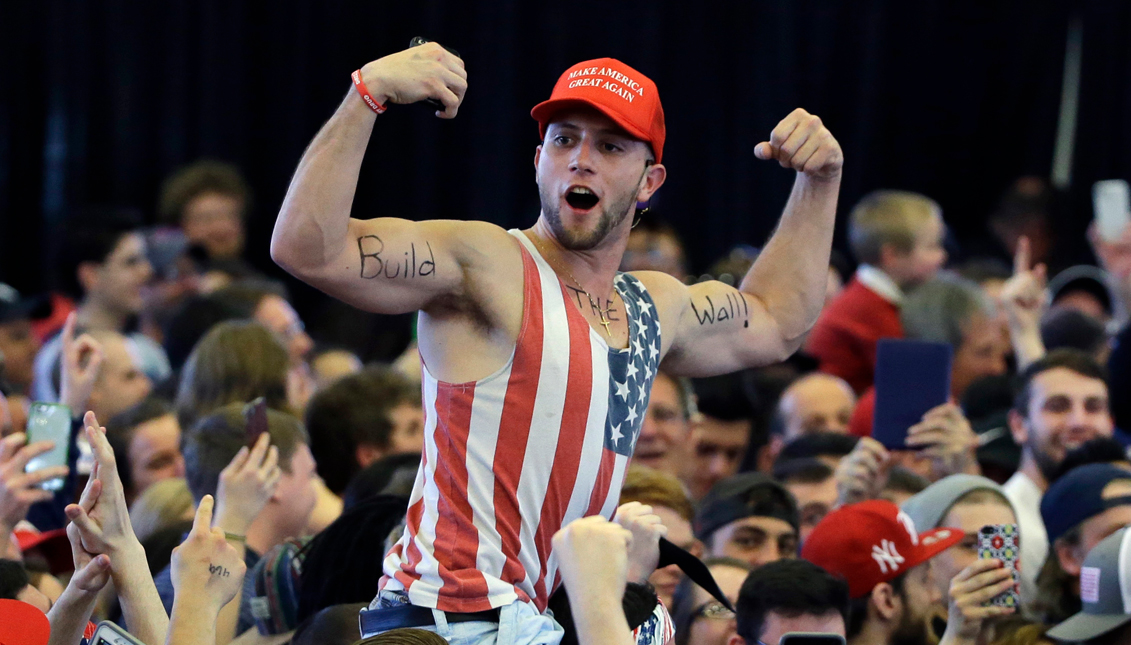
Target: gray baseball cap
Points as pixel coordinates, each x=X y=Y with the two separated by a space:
x=929 y=507
x=1105 y=590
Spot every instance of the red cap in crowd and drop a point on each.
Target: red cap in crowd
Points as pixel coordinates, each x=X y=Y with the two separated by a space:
x=621 y=93
x=22 y=624
x=872 y=542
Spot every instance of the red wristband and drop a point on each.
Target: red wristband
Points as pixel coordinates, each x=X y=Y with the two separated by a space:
x=359 y=85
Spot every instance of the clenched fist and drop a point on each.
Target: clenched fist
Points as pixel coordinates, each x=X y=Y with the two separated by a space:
x=801 y=142
x=418 y=73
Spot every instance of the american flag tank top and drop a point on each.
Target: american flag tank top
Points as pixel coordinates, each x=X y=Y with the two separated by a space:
x=511 y=458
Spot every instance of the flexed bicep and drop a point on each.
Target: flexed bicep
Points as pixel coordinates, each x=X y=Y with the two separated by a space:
x=721 y=329
x=392 y=266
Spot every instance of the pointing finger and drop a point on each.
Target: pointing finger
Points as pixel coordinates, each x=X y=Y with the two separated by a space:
x=1021 y=257
x=202 y=523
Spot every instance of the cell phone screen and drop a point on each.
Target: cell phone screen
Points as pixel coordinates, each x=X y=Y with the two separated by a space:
x=256 y=415
x=49 y=422
x=797 y=638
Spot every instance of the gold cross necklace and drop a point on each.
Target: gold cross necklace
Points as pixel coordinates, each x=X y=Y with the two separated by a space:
x=601 y=312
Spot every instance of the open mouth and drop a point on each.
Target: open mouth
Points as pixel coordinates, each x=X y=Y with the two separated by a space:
x=581 y=199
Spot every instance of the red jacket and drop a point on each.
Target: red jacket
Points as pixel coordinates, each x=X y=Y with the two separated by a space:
x=844 y=338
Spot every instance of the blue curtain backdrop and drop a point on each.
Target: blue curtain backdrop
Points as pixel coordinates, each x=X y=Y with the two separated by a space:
x=99 y=100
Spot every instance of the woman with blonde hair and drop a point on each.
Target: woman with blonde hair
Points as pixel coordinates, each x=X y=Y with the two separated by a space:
x=163 y=504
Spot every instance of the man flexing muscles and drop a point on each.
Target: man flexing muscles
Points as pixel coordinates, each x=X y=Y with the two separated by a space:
x=538 y=354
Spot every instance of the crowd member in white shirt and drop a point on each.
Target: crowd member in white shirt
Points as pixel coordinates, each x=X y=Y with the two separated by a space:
x=1062 y=402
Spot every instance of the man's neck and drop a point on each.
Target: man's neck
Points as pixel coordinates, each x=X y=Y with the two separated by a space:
x=593 y=267
x=872 y=633
x=92 y=314
x=1030 y=469
x=261 y=535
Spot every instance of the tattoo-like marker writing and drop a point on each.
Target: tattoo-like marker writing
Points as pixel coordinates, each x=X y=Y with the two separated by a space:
x=595 y=304
x=370 y=248
x=218 y=570
x=734 y=306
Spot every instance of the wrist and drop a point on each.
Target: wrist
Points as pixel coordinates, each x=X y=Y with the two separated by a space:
x=231 y=522
x=127 y=560
x=829 y=181
x=374 y=83
x=193 y=600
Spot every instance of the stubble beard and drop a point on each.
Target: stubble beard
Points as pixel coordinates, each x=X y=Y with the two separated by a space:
x=611 y=216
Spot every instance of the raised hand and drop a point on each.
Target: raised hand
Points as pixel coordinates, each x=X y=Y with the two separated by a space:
x=593 y=556
x=81 y=357
x=1023 y=296
x=861 y=475
x=424 y=72
x=973 y=586
x=104 y=523
x=647 y=528
x=946 y=438
x=246 y=485
x=205 y=567
x=18 y=489
x=801 y=142
x=92 y=571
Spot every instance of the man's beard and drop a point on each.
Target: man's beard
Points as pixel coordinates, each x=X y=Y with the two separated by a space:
x=611 y=217
x=1046 y=463
x=912 y=628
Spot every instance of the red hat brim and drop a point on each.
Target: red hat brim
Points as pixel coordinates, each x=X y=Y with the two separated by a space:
x=23 y=624
x=932 y=543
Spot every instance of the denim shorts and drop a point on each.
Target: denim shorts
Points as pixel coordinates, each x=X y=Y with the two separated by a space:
x=519 y=624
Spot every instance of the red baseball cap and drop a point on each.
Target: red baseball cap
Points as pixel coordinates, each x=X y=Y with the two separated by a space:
x=53 y=546
x=872 y=542
x=22 y=624
x=621 y=93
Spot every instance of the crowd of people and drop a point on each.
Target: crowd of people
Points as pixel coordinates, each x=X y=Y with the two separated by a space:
x=422 y=495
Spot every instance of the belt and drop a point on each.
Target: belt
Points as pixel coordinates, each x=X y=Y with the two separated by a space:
x=375 y=621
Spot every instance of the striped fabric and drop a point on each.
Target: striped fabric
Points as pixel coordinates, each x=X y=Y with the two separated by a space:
x=511 y=458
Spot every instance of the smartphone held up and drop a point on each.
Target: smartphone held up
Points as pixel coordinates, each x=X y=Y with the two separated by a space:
x=49 y=422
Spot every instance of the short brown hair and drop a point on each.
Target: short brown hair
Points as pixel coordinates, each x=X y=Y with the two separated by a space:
x=1070 y=359
x=189 y=182
x=650 y=486
x=236 y=361
x=353 y=411
x=214 y=441
x=890 y=217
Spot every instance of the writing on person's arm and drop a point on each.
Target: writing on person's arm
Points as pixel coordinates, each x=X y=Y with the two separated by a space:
x=731 y=307
x=717 y=328
x=378 y=262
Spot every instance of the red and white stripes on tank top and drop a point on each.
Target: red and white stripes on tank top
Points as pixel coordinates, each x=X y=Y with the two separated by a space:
x=511 y=458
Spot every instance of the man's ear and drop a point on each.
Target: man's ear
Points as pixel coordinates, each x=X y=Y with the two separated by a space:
x=654 y=177
x=768 y=454
x=1070 y=558
x=366 y=454
x=735 y=639
x=537 y=156
x=87 y=274
x=1018 y=427
x=885 y=602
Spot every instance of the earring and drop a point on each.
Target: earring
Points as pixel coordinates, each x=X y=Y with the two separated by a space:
x=640 y=213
